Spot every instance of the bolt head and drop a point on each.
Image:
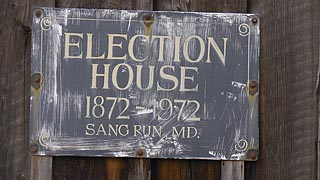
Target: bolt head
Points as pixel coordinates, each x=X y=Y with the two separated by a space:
x=140 y=152
x=252 y=154
x=38 y=13
x=34 y=148
x=252 y=84
x=254 y=20
x=147 y=17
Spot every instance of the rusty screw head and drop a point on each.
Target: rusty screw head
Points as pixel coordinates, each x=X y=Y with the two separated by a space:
x=34 y=148
x=38 y=13
x=140 y=152
x=36 y=80
x=148 y=20
x=147 y=16
x=254 y=20
x=253 y=87
x=252 y=154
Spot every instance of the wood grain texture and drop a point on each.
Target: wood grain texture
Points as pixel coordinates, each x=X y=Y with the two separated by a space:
x=232 y=170
x=101 y=168
x=192 y=169
x=107 y=4
x=80 y=168
x=113 y=168
x=239 y=6
x=289 y=91
x=41 y=168
x=288 y=102
x=185 y=169
x=15 y=38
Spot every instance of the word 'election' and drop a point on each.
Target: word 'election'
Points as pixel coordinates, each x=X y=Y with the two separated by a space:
x=138 y=48
x=123 y=38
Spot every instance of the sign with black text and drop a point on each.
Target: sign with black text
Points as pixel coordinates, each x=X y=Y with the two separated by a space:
x=122 y=83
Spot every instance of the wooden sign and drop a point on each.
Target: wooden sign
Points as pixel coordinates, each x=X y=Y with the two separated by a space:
x=144 y=84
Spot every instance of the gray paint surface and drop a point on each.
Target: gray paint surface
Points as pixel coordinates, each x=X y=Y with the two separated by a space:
x=228 y=110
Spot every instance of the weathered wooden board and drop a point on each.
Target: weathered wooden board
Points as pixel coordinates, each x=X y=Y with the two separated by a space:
x=289 y=88
x=232 y=170
x=102 y=168
x=15 y=53
x=150 y=84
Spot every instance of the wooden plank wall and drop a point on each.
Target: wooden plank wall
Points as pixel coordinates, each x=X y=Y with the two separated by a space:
x=289 y=94
x=289 y=89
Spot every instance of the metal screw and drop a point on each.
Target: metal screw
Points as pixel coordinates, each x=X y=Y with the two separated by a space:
x=34 y=148
x=147 y=16
x=253 y=87
x=254 y=20
x=36 y=80
x=38 y=13
x=252 y=154
x=252 y=84
x=140 y=152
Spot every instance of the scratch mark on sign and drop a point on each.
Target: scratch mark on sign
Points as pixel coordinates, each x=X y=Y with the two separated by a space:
x=129 y=24
x=144 y=111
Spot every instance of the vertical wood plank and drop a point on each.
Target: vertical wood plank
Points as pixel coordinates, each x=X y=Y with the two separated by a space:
x=83 y=168
x=15 y=38
x=116 y=169
x=239 y=6
x=289 y=92
x=41 y=168
x=107 y=4
x=187 y=169
x=139 y=169
x=171 y=169
x=232 y=170
x=113 y=168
